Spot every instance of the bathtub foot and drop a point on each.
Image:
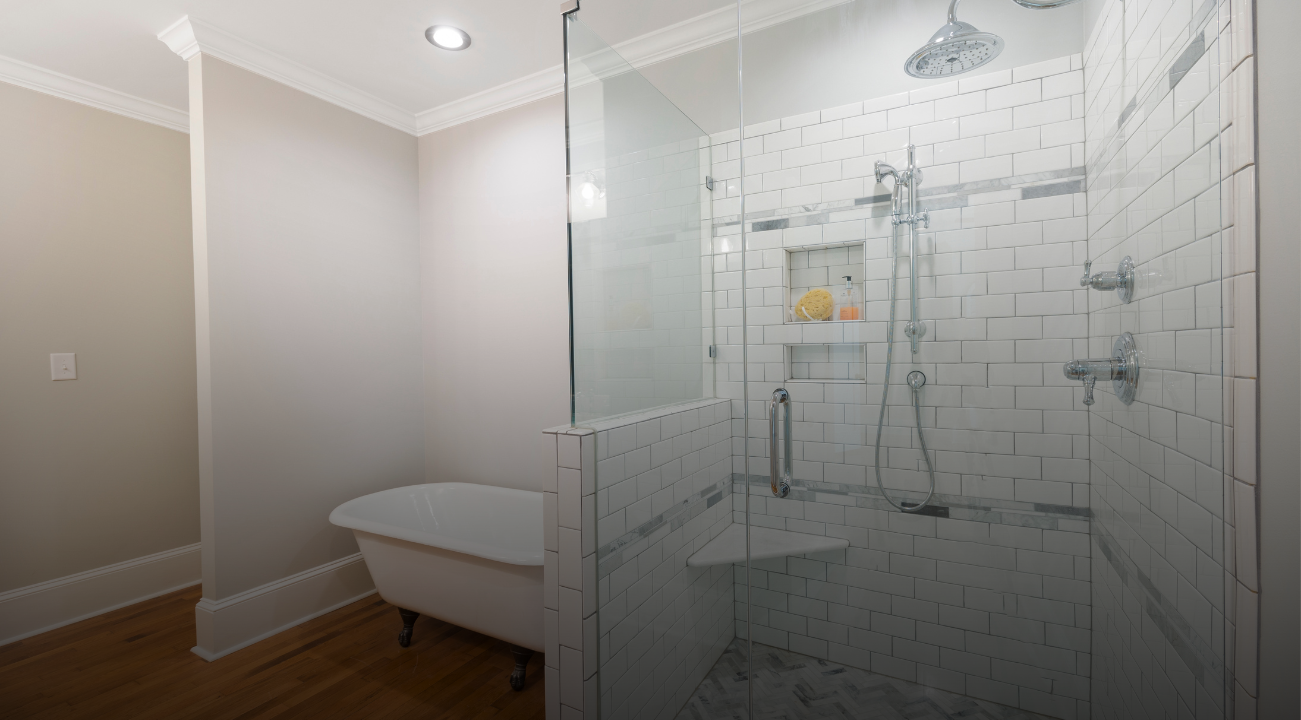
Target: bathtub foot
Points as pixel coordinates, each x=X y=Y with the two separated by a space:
x=522 y=656
x=408 y=624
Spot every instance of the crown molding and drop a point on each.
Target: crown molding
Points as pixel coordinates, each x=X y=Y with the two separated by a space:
x=16 y=72
x=493 y=100
x=190 y=36
x=715 y=27
x=669 y=42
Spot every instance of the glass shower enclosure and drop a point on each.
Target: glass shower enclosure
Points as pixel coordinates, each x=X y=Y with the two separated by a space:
x=956 y=300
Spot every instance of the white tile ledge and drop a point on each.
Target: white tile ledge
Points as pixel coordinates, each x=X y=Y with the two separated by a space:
x=765 y=543
x=616 y=421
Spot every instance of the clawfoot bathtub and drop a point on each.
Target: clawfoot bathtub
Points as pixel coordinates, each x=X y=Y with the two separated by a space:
x=470 y=555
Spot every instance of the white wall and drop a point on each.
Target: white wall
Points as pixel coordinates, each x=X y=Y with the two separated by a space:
x=308 y=315
x=493 y=273
x=94 y=259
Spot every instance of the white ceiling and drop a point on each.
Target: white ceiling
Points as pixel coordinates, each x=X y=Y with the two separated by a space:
x=376 y=46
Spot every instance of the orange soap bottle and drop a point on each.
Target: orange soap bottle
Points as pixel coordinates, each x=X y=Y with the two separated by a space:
x=847 y=299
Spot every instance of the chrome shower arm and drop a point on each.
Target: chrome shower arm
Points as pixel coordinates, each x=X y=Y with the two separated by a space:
x=953 y=11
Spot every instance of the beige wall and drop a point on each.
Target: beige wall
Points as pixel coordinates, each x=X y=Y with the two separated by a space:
x=95 y=259
x=495 y=295
x=308 y=321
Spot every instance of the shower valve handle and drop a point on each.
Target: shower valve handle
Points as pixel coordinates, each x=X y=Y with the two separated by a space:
x=1122 y=281
x=1121 y=369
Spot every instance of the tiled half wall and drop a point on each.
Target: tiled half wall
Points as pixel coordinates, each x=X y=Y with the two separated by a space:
x=658 y=492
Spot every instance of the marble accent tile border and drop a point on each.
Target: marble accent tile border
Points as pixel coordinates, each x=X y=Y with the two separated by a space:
x=1187 y=59
x=1113 y=144
x=1037 y=185
x=610 y=556
x=1163 y=613
x=987 y=510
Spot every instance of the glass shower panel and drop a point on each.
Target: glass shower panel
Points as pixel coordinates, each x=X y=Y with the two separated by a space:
x=642 y=323
x=1159 y=483
x=641 y=328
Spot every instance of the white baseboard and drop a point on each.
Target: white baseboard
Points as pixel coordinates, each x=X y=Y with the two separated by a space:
x=224 y=626
x=45 y=606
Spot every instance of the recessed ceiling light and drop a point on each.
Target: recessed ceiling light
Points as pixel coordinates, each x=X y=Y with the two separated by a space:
x=447 y=37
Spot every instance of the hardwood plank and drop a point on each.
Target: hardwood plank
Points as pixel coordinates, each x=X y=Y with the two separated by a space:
x=136 y=663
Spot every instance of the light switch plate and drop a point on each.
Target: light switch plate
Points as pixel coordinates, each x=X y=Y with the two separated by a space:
x=63 y=366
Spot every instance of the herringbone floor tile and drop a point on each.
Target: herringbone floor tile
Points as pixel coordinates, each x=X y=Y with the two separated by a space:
x=790 y=686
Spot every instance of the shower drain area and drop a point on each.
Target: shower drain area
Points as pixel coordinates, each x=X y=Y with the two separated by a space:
x=830 y=363
x=789 y=685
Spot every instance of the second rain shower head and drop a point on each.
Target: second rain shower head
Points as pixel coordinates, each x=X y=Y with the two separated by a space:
x=957 y=48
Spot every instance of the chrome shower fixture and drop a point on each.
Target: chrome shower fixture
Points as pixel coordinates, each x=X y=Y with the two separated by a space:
x=905 y=180
x=1044 y=4
x=956 y=48
x=1121 y=369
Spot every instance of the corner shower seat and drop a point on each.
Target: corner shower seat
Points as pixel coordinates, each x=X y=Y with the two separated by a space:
x=765 y=543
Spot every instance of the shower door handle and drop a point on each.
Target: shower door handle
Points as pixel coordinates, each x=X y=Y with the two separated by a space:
x=781 y=484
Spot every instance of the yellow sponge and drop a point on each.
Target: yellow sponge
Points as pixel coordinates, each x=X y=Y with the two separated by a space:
x=815 y=305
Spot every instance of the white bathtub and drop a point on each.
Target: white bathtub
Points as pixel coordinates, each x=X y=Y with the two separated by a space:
x=470 y=555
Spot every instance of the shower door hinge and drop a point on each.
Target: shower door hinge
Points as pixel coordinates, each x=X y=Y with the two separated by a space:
x=568 y=6
x=709 y=183
x=713 y=351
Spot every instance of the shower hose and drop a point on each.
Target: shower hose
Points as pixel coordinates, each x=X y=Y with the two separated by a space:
x=915 y=382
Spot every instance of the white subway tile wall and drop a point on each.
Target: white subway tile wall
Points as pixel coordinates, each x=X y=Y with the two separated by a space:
x=991 y=598
x=569 y=577
x=663 y=480
x=1165 y=185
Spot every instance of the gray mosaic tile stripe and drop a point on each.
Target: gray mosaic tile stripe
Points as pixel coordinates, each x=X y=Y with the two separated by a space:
x=1115 y=139
x=611 y=555
x=1187 y=59
x=1197 y=654
x=945 y=197
x=987 y=510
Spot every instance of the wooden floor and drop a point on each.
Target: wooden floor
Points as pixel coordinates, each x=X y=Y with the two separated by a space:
x=136 y=663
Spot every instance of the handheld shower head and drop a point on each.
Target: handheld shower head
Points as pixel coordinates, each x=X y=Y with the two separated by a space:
x=956 y=48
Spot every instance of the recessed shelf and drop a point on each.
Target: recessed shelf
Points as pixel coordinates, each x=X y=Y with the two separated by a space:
x=765 y=543
x=827 y=362
x=824 y=267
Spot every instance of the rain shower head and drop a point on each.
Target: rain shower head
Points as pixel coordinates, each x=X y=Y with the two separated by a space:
x=1043 y=4
x=956 y=48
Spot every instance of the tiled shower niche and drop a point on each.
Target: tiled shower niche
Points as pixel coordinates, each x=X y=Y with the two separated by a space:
x=826 y=363
x=825 y=268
